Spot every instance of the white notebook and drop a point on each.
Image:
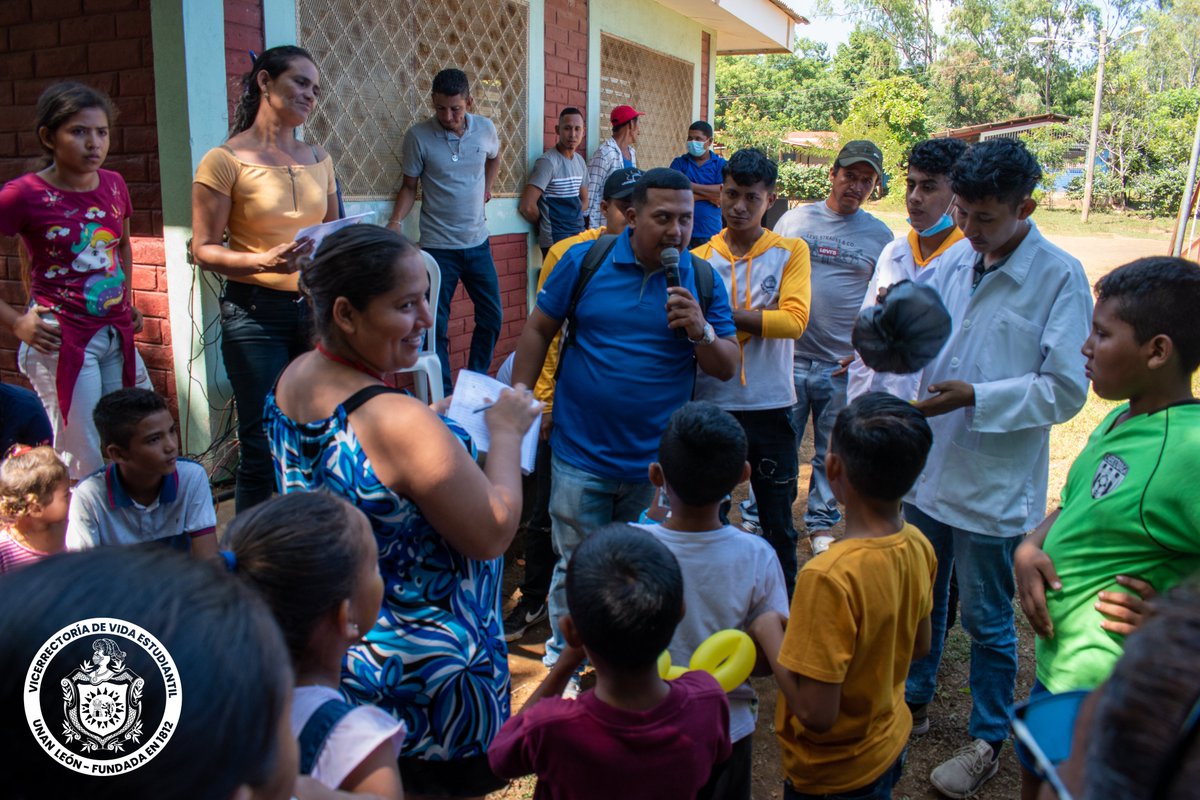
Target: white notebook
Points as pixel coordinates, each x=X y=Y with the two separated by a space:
x=319 y=231
x=474 y=392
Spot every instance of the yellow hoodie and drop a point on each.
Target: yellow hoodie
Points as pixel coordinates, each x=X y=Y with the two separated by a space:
x=774 y=277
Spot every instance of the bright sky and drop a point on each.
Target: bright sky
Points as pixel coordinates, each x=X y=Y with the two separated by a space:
x=833 y=30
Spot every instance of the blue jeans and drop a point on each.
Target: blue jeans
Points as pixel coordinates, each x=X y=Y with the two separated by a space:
x=985 y=589
x=774 y=464
x=474 y=267
x=878 y=789
x=821 y=396
x=581 y=503
x=262 y=330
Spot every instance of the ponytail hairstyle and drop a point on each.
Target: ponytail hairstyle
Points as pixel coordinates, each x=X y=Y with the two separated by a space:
x=301 y=553
x=28 y=477
x=275 y=61
x=61 y=101
x=357 y=263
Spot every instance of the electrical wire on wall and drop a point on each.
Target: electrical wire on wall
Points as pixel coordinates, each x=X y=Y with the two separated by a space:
x=220 y=456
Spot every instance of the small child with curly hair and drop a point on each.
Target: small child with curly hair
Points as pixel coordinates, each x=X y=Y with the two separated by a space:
x=35 y=493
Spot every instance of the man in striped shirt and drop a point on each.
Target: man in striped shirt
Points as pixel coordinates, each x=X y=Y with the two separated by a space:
x=555 y=196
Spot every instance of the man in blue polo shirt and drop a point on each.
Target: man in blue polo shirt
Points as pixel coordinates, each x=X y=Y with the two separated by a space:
x=705 y=169
x=635 y=345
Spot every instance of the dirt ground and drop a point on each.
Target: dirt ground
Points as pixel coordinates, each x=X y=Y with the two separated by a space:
x=952 y=706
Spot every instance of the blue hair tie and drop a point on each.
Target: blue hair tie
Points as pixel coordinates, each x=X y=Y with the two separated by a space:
x=230 y=559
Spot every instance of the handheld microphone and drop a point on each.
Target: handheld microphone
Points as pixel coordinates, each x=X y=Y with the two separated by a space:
x=670 y=262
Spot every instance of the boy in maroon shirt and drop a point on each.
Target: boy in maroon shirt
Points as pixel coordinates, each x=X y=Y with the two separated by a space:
x=634 y=735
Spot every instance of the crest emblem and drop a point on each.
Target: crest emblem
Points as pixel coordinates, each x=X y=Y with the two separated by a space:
x=768 y=285
x=1109 y=474
x=102 y=702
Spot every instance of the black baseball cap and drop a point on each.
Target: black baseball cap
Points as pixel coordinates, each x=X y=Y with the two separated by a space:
x=904 y=332
x=619 y=185
x=861 y=151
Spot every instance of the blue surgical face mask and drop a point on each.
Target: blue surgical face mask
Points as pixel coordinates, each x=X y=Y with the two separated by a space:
x=695 y=149
x=943 y=224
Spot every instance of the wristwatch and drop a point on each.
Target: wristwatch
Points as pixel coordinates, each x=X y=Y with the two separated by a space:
x=707 y=337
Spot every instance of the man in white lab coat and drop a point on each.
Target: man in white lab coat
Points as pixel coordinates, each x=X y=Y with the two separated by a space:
x=933 y=242
x=1011 y=368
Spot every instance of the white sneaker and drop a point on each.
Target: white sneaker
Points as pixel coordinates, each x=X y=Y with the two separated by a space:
x=965 y=773
x=749 y=511
x=820 y=543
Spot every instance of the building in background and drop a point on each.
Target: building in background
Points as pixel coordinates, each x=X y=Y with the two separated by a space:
x=173 y=68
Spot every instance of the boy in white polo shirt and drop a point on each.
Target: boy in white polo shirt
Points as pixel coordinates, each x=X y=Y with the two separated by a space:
x=147 y=493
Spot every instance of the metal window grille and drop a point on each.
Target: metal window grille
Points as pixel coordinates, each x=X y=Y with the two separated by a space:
x=656 y=84
x=377 y=60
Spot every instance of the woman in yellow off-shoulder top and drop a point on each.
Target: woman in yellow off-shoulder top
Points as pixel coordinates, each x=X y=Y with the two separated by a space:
x=262 y=186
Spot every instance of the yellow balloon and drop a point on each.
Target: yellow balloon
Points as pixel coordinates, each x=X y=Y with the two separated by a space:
x=665 y=670
x=728 y=656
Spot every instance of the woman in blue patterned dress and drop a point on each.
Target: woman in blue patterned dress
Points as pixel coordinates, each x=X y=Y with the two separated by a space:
x=436 y=658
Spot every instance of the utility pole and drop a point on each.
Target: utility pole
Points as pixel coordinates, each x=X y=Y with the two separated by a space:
x=1185 y=202
x=1090 y=174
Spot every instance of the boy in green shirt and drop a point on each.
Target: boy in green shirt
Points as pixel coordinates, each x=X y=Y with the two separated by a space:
x=1129 y=524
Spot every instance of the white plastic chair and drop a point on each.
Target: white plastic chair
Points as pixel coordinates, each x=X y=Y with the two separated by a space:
x=428 y=363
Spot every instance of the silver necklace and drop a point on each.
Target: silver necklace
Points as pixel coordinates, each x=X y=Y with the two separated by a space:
x=453 y=153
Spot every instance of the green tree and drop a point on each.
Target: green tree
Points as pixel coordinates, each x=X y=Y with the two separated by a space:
x=967 y=87
x=796 y=91
x=865 y=57
x=910 y=26
x=891 y=113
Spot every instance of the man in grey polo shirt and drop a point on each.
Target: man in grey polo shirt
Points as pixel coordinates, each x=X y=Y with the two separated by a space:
x=454 y=155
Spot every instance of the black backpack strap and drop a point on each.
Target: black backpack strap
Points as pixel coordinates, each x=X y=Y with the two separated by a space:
x=359 y=398
x=316 y=731
x=704 y=282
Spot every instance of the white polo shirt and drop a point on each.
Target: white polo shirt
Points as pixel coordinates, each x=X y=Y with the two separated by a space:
x=102 y=513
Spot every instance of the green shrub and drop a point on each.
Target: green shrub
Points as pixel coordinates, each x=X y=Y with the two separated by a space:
x=803 y=182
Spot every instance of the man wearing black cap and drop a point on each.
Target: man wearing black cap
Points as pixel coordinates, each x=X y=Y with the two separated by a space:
x=844 y=242
x=539 y=553
x=616 y=153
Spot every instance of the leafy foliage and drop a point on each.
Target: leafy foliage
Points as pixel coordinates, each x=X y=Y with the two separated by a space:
x=914 y=67
x=802 y=181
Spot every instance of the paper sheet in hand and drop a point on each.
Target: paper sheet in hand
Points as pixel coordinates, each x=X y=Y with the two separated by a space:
x=319 y=231
x=474 y=391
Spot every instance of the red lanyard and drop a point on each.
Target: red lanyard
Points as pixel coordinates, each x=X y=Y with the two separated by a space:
x=351 y=364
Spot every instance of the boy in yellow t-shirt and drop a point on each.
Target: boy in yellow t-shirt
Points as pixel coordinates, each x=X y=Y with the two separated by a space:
x=860 y=615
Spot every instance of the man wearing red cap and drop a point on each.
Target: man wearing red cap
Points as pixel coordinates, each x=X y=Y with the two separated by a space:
x=614 y=154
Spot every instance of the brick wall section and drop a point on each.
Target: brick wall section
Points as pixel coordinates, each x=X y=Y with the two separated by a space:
x=705 y=45
x=510 y=254
x=243 y=32
x=106 y=44
x=566 y=61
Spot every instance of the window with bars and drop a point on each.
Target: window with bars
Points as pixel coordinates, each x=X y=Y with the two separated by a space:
x=653 y=83
x=377 y=59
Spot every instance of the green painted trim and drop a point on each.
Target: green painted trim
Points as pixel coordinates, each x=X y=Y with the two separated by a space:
x=189 y=89
x=280 y=25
